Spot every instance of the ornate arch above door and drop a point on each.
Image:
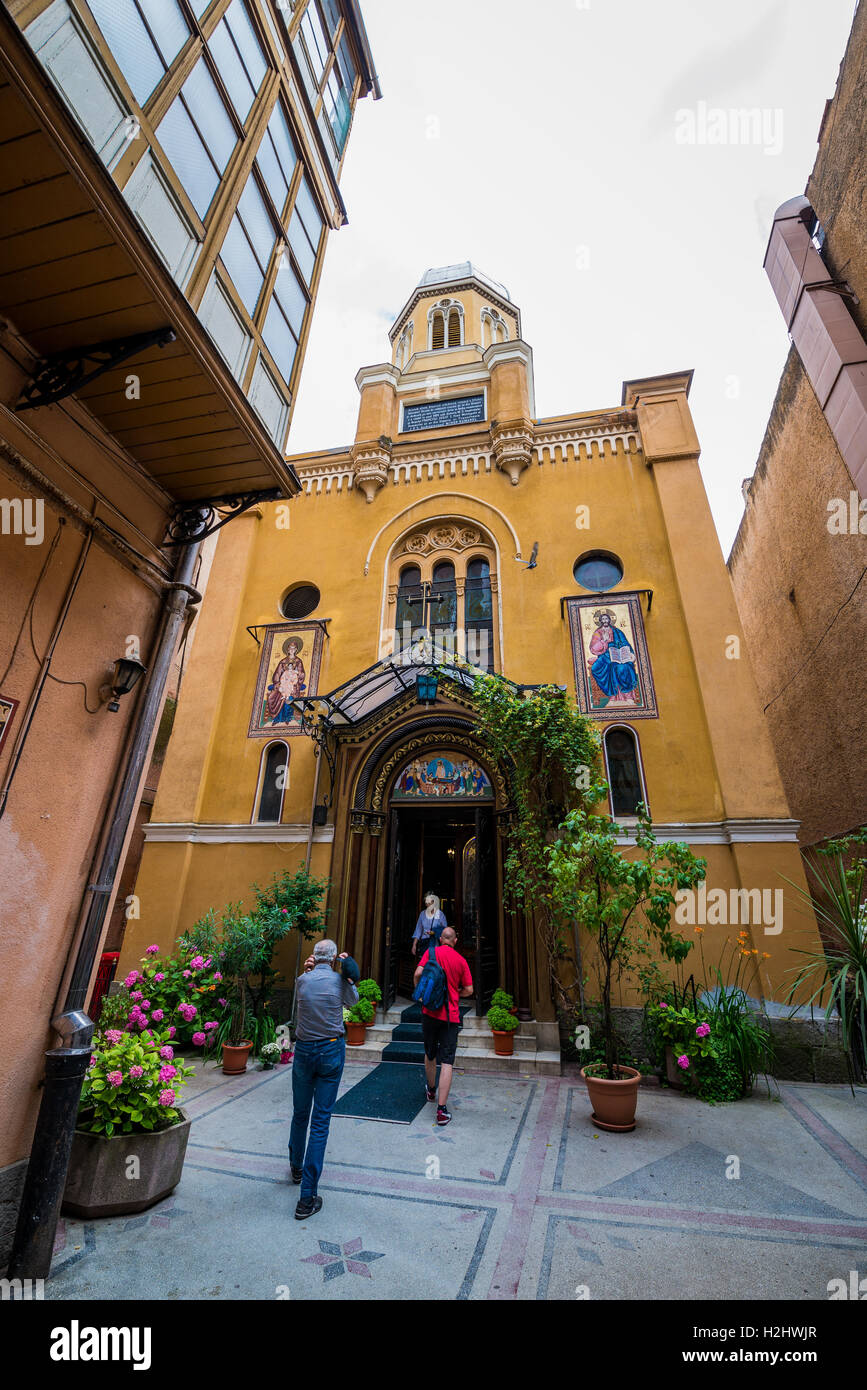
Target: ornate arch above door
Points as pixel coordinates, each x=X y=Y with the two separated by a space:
x=385 y=761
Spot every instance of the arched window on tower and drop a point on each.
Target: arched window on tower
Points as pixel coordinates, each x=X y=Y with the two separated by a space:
x=438 y=331
x=273 y=781
x=410 y=607
x=444 y=607
x=479 y=609
x=455 y=322
x=623 y=764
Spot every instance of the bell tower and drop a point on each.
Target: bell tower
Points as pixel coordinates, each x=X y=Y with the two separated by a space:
x=458 y=362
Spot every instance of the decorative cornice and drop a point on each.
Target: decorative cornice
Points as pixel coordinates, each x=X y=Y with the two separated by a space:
x=722 y=832
x=191 y=832
x=436 y=292
x=513 y=447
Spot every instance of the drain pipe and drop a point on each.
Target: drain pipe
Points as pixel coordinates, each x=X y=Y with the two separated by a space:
x=66 y=1066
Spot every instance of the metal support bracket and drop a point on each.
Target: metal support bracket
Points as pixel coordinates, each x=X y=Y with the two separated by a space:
x=64 y=373
x=198 y=520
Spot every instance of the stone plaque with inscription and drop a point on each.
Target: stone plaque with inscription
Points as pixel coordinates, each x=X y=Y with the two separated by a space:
x=438 y=415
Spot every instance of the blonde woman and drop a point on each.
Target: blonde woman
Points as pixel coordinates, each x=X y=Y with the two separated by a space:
x=430 y=923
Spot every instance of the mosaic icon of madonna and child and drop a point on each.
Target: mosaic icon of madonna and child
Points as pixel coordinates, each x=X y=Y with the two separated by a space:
x=289 y=670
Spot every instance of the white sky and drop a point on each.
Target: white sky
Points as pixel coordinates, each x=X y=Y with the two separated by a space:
x=556 y=132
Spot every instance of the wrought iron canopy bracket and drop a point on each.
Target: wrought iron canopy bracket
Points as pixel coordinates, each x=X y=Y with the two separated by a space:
x=64 y=373
x=198 y=520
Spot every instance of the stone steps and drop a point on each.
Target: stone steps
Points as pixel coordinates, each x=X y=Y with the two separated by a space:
x=475 y=1045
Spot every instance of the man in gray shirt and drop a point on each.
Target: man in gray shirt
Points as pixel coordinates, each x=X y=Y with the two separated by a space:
x=326 y=987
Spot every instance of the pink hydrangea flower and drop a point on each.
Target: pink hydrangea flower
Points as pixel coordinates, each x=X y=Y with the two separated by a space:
x=213 y=1024
x=167 y=1072
x=167 y=1053
x=198 y=1039
x=114 y=1078
x=187 y=974
x=172 y=1031
x=683 y=1062
x=663 y=1006
x=92 y=1062
x=136 y=995
x=157 y=1015
x=224 y=1002
x=208 y=961
x=167 y=1097
x=152 y=951
x=197 y=962
x=145 y=1003
x=159 y=976
x=113 y=1035
x=136 y=1072
x=187 y=1012
x=702 y=1030
x=217 y=975
x=131 y=979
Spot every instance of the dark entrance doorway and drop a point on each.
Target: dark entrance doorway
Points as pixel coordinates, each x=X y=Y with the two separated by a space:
x=451 y=852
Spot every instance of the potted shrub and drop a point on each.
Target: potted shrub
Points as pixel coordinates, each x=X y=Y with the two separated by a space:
x=357 y=1019
x=502 y=1024
x=624 y=904
x=270 y=1054
x=501 y=1000
x=369 y=990
x=128 y=1108
x=237 y=1046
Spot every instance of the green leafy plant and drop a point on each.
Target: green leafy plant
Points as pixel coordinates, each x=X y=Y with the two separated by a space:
x=369 y=989
x=501 y=1000
x=625 y=904
x=836 y=974
x=132 y=1084
x=501 y=1021
x=551 y=751
x=362 y=1012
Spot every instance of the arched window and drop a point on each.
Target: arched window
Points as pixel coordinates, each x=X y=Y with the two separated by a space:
x=444 y=606
x=455 y=322
x=410 y=606
x=438 y=331
x=479 y=614
x=273 y=781
x=623 y=763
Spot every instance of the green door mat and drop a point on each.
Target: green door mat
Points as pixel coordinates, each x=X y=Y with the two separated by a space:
x=393 y=1091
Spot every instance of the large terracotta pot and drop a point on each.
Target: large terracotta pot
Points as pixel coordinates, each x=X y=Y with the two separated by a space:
x=235 y=1058
x=97 y=1181
x=504 y=1043
x=614 y=1102
x=355 y=1034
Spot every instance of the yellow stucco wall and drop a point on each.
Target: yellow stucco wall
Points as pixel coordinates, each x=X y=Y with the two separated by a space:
x=620 y=482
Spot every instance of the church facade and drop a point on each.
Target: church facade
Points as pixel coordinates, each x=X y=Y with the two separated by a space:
x=577 y=550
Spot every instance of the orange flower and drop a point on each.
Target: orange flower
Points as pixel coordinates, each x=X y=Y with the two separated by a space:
x=699 y=930
x=766 y=955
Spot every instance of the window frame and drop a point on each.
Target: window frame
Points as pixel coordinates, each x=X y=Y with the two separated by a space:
x=625 y=817
x=255 y=818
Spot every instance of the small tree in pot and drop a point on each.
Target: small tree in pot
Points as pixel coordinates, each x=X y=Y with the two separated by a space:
x=502 y=1023
x=625 y=905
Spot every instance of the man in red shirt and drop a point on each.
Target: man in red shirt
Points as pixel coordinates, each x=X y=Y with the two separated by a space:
x=440 y=1027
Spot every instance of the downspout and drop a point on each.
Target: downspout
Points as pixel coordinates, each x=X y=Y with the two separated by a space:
x=66 y=1065
x=307 y=858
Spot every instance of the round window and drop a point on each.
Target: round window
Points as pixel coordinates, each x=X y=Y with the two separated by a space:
x=598 y=570
x=300 y=601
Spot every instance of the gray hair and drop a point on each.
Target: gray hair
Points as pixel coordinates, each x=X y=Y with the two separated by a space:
x=325 y=950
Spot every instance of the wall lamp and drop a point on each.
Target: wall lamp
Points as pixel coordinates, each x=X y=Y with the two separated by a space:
x=127 y=674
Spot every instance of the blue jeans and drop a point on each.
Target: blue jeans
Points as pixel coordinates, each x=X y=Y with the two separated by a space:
x=316 y=1071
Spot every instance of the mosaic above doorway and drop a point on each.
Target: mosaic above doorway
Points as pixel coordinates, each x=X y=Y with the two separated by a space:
x=612 y=667
x=288 y=669
x=447 y=776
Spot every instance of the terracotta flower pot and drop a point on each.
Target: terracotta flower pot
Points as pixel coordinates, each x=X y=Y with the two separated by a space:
x=613 y=1102
x=98 y=1182
x=504 y=1043
x=235 y=1058
x=355 y=1034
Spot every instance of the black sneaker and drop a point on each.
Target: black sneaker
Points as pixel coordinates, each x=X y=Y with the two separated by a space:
x=430 y=1092
x=305 y=1209
x=443 y=1115
x=297 y=1173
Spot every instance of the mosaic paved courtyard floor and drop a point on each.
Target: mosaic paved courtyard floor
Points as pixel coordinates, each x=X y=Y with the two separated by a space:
x=520 y=1197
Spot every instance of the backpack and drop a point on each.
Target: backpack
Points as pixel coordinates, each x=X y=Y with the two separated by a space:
x=432 y=990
